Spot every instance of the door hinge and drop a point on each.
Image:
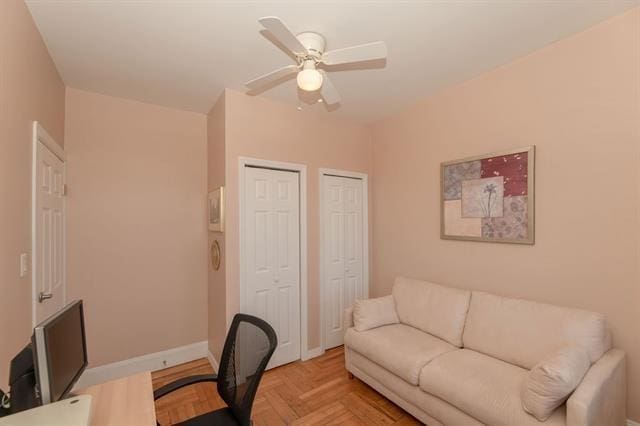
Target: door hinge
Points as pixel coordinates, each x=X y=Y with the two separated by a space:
x=64 y=189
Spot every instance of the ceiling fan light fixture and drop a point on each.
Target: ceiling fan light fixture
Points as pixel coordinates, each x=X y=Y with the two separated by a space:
x=309 y=78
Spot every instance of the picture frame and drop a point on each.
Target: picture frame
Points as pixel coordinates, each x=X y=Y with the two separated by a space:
x=216 y=210
x=489 y=198
x=215 y=255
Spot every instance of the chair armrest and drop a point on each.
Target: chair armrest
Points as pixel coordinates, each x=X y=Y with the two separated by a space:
x=601 y=397
x=348 y=318
x=180 y=383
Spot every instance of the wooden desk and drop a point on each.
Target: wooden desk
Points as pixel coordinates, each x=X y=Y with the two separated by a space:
x=123 y=402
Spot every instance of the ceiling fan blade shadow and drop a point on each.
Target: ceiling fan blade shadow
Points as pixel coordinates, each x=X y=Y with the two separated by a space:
x=283 y=34
x=329 y=92
x=308 y=98
x=360 y=53
x=270 y=80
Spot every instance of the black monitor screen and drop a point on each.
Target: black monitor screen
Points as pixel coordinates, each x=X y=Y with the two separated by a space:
x=65 y=350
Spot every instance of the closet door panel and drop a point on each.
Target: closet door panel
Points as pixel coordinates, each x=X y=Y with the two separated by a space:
x=343 y=252
x=272 y=249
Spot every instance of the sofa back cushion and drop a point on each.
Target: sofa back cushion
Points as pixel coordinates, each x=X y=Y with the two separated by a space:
x=435 y=309
x=523 y=332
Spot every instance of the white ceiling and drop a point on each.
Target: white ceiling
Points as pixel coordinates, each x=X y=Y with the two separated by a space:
x=182 y=54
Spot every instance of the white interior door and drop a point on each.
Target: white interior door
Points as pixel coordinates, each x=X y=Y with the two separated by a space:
x=343 y=255
x=48 y=251
x=272 y=255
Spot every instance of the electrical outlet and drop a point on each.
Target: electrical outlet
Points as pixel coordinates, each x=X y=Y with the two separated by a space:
x=24 y=264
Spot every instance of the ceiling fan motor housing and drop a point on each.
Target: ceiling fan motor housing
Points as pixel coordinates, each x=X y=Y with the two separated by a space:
x=314 y=43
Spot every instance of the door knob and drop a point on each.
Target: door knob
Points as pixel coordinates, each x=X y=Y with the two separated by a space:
x=44 y=296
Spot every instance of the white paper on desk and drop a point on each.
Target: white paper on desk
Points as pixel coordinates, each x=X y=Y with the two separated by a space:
x=75 y=411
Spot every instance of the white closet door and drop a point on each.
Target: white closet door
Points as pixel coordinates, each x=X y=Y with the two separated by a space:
x=272 y=250
x=343 y=252
x=49 y=239
x=353 y=251
x=334 y=260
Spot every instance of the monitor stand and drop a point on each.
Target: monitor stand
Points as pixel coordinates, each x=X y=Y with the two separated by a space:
x=3 y=411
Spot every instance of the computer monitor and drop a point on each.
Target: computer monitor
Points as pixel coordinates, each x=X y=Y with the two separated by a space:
x=59 y=352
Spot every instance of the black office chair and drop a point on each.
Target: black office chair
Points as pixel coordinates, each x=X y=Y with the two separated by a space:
x=247 y=350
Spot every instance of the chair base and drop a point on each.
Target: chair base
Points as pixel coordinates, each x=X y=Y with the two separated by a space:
x=221 y=417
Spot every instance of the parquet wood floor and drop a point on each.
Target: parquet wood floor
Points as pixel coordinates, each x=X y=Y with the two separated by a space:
x=314 y=392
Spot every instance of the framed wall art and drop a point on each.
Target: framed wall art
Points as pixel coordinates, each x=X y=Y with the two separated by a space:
x=489 y=197
x=216 y=210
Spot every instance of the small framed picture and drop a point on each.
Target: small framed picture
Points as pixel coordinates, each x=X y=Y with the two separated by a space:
x=216 y=210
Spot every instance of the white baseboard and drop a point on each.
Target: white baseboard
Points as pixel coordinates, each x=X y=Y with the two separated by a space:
x=312 y=353
x=149 y=362
x=632 y=423
x=212 y=361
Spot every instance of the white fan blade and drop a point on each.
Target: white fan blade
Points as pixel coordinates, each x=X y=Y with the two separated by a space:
x=363 y=52
x=273 y=76
x=284 y=35
x=328 y=90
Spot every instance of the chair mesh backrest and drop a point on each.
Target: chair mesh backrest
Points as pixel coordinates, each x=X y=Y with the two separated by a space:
x=247 y=350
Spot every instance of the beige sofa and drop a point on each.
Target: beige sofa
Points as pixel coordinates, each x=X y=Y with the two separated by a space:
x=460 y=357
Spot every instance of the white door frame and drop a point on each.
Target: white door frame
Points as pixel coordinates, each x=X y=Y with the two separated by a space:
x=365 y=236
x=40 y=135
x=301 y=169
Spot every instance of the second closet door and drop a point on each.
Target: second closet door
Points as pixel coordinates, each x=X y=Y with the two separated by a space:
x=343 y=252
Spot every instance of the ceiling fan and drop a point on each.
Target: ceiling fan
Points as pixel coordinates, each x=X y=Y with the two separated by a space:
x=311 y=59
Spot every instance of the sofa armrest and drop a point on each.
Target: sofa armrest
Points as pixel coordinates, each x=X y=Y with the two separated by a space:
x=348 y=318
x=601 y=398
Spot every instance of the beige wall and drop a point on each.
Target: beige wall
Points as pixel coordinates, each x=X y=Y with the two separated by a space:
x=215 y=175
x=30 y=89
x=137 y=241
x=138 y=175
x=578 y=102
x=260 y=128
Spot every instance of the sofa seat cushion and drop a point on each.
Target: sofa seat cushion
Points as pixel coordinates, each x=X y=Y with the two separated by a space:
x=483 y=387
x=399 y=348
